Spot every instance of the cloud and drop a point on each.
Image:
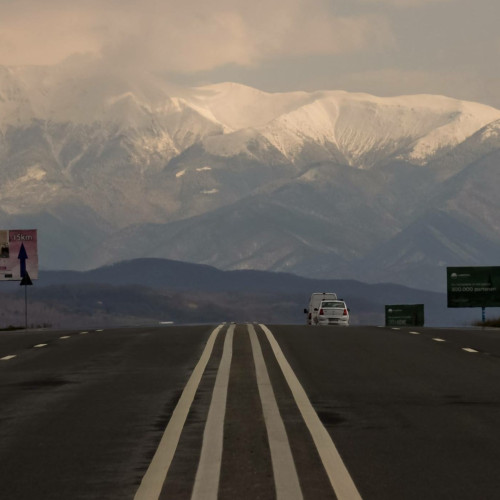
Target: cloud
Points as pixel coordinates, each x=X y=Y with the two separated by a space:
x=390 y=82
x=405 y=3
x=188 y=36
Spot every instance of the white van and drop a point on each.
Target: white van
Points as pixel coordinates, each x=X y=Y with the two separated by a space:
x=314 y=302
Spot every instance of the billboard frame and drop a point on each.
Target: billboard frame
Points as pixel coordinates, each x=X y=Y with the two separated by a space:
x=473 y=286
x=18 y=254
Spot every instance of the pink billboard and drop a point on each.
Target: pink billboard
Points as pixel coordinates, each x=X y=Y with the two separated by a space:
x=18 y=254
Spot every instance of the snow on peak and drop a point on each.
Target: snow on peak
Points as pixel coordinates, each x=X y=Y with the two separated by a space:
x=232 y=119
x=364 y=128
x=492 y=131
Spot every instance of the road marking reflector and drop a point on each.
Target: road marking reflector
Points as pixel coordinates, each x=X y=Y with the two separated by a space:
x=6 y=358
x=206 y=484
x=468 y=349
x=40 y=345
x=339 y=476
x=152 y=482
x=286 y=479
x=437 y=339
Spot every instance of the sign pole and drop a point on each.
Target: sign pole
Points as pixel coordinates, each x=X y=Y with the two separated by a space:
x=25 y=307
x=26 y=281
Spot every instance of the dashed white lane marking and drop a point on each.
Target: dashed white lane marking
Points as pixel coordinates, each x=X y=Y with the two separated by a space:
x=206 y=484
x=83 y=333
x=437 y=339
x=468 y=349
x=152 y=482
x=99 y=330
x=64 y=337
x=38 y=346
x=339 y=476
x=415 y=333
x=396 y=328
x=7 y=358
x=286 y=479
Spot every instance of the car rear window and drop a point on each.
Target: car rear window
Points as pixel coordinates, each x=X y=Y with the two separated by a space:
x=335 y=304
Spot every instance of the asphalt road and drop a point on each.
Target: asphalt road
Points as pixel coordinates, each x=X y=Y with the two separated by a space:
x=406 y=413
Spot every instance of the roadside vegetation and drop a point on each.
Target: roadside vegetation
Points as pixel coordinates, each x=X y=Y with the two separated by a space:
x=495 y=323
x=11 y=328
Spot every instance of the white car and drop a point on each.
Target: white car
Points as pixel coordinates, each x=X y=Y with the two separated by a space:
x=333 y=312
x=314 y=302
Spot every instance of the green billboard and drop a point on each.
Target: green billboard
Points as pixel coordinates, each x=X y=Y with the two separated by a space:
x=473 y=286
x=404 y=315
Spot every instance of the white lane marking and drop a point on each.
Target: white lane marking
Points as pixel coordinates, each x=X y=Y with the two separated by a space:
x=206 y=485
x=7 y=358
x=64 y=337
x=339 y=476
x=469 y=349
x=396 y=328
x=152 y=482
x=99 y=330
x=415 y=333
x=83 y=333
x=38 y=346
x=286 y=479
x=437 y=339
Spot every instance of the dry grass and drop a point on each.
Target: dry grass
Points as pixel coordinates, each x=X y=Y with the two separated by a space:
x=495 y=323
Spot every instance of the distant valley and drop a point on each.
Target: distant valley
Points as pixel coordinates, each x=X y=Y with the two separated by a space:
x=155 y=291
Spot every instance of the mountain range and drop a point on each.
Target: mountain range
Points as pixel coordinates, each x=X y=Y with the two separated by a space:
x=158 y=291
x=111 y=166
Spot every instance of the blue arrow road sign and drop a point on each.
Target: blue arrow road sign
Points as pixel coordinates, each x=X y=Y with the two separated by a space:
x=22 y=260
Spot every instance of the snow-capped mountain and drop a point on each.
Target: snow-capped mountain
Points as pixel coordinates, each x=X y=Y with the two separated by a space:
x=111 y=166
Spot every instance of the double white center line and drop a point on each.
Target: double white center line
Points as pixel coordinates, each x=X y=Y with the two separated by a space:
x=286 y=479
x=206 y=485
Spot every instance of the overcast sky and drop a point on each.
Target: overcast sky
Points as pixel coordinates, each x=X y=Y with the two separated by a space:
x=384 y=47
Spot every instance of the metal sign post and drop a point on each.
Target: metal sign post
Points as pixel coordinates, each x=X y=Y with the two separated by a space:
x=26 y=282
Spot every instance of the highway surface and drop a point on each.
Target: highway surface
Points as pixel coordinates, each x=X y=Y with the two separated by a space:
x=250 y=412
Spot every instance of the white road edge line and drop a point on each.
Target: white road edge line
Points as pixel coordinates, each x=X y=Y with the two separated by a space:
x=206 y=484
x=152 y=482
x=469 y=349
x=339 y=476
x=7 y=358
x=286 y=479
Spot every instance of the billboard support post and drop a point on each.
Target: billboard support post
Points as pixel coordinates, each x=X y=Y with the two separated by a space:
x=484 y=314
x=25 y=307
x=26 y=282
